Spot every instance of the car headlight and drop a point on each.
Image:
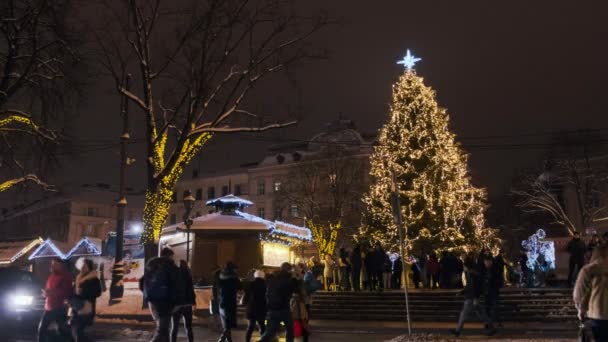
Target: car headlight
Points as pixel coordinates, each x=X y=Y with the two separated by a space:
x=21 y=300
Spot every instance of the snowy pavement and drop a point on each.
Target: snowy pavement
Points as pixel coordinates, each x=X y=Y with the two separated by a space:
x=335 y=331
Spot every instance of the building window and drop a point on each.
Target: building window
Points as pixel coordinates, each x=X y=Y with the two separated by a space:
x=293 y=210
x=93 y=212
x=237 y=190
x=199 y=194
x=278 y=213
x=277 y=186
x=224 y=190
x=261 y=213
x=261 y=187
x=210 y=192
x=89 y=230
x=172 y=219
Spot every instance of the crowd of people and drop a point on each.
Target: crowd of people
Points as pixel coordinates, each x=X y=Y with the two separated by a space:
x=282 y=297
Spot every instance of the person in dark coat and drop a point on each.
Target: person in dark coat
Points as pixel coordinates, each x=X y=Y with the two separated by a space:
x=491 y=284
x=471 y=292
x=87 y=288
x=432 y=271
x=370 y=268
x=158 y=285
x=345 y=270
x=255 y=301
x=279 y=290
x=416 y=272
x=228 y=285
x=397 y=272
x=185 y=299
x=445 y=272
x=577 y=249
x=355 y=262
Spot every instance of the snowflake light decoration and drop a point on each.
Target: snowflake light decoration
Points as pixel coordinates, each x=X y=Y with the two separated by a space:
x=536 y=247
x=409 y=60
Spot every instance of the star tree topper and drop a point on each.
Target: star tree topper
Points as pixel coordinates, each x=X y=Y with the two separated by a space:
x=409 y=60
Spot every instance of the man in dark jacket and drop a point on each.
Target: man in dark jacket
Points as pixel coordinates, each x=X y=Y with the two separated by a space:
x=471 y=293
x=355 y=263
x=159 y=287
x=491 y=284
x=255 y=301
x=576 y=248
x=57 y=290
x=185 y=299
x=278 y=295
x=228 y=285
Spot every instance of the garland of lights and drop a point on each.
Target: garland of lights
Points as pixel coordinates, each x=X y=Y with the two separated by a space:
x=439 y=205
x=158 y=200
x=47 y=243
x=23 y=251
x=91 y=249
x=325 y=237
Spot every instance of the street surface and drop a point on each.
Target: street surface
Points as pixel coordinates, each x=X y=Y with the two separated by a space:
x=334 y=331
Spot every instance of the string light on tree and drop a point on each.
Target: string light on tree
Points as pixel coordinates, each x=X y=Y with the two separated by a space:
x=438 y=203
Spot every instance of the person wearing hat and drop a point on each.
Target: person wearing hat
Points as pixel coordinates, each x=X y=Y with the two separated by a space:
x=228 y=286
x=255 y=302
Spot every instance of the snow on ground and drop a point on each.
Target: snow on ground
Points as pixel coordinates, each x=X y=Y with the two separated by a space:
x=131 y=303
x=443 y=338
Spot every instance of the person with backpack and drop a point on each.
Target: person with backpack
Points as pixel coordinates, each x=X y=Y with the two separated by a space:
x=185 y=299
x=255 y=302
x=87 y=288
x=278 y=295
x=57 y=290
x=591 y=293
x=228 y=285
x=159 y=287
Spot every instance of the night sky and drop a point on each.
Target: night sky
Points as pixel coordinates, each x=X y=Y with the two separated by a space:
x=507 y=68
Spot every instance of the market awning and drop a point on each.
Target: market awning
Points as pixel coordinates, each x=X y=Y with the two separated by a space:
x=12 y=251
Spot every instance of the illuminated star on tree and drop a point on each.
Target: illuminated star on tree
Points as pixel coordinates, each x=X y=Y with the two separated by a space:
x=409 y=61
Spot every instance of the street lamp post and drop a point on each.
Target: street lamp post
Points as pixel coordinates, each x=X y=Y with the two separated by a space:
x=188 y=206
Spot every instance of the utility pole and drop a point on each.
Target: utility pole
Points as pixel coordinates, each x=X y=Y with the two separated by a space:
x=396 y=204
x=118 y=271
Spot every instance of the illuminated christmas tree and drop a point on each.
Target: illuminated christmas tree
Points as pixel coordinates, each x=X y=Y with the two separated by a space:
x=440 y=207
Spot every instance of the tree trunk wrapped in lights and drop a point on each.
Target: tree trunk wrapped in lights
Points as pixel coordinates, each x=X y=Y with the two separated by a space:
x=440 y=206
x=195 y=64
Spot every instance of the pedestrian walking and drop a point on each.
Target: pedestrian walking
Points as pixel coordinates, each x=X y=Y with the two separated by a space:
x=185 y=300
x=278 y=295
x=87 y=288
x=591 y=293
x=491 y=284
x=356 y=264
x=255 y=302
x=345 y=270
x=158 y=285
x=300 y=313
x=471 y=293
x=432 y=271
x=228 y=286
x=328 y=271
x=577 y=249
x=57 y=290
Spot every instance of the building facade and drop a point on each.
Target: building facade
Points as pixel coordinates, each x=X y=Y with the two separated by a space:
x=67 y=218
x=262 y=182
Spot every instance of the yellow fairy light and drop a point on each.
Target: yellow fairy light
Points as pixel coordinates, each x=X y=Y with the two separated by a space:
x=439 y=205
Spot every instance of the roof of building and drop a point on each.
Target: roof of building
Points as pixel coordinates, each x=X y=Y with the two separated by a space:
x=11 y=251
x=218 y=221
